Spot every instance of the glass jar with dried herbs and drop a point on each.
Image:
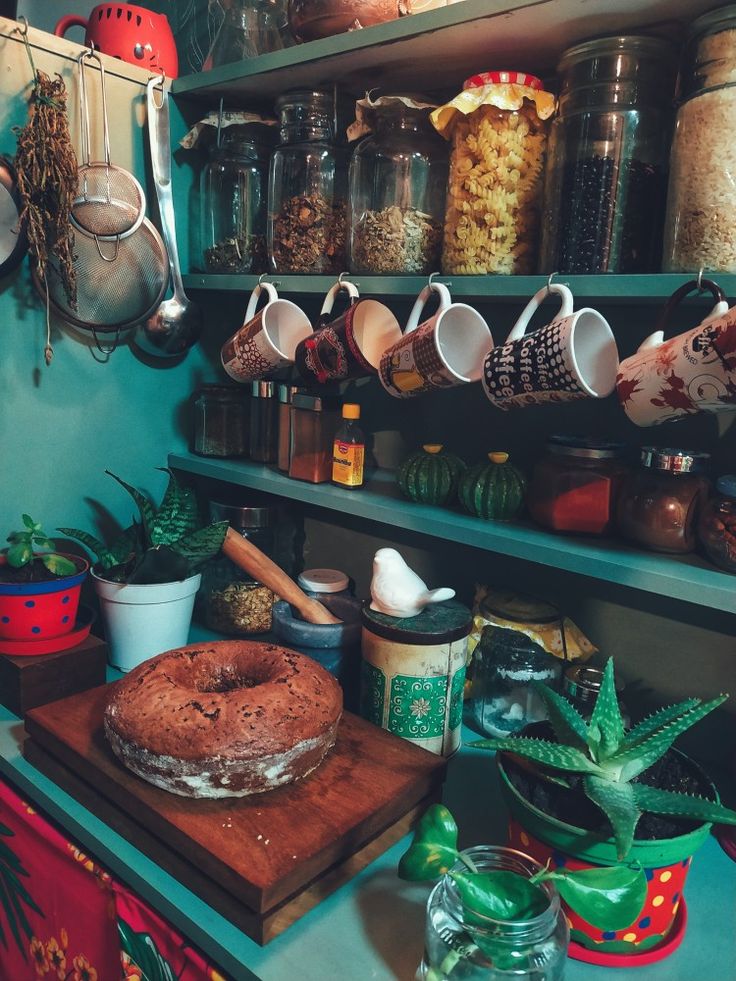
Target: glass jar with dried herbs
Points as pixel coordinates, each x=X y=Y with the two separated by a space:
x=398 y=180
x=307 y=188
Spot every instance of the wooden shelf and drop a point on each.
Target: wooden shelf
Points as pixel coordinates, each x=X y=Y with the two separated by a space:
x=689 y=578
x=440 y=48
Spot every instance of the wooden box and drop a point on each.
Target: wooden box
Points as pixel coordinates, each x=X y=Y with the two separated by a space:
x=26 y=682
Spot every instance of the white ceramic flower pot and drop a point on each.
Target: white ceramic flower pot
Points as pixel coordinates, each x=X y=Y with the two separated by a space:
x=143 y=620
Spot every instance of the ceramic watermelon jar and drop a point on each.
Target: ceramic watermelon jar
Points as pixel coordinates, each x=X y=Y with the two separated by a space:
x=431 y=475
x=493 y=490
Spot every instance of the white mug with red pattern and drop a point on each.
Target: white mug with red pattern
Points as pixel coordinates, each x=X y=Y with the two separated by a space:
x=689 y=373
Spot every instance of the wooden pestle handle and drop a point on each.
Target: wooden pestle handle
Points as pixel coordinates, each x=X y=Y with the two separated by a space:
x=247 y=556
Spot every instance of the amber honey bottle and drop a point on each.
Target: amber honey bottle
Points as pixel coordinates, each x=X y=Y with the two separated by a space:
x=348 y=453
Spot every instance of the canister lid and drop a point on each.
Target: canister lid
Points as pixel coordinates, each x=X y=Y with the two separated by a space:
x=315 y=403
x=438 y=623
x=673 y=460
x=726 y=485
x=582 y=682
x=241 y=517
x=219 y=391
x=287 y=393
x=323 y=580
x=262 y=389
x=587 y=447
x=518 y=607
x=503 y=78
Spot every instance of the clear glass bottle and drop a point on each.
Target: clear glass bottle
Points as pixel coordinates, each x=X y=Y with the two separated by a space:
x=660 y=503
x=233 y=200
x=307 y=188
x=717 y=525
x=606 y=172
x=398 y=178
x=264 y=429
x=348 y=455
x=221 y=421
x=522 y=950
x=701 y=198
x=249 y=28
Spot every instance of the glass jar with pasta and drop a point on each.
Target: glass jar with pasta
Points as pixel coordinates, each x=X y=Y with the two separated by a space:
x=498 y=127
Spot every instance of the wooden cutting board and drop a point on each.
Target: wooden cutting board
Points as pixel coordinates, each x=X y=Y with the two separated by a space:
x=261 y=850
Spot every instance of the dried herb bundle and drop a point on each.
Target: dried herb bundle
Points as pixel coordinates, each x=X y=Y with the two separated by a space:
x=46 y=166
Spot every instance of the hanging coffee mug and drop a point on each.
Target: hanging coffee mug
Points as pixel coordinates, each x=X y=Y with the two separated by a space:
x=349 y=346
x=693 y=372
x=573 y=357
x=267 y=340
x=446 y=350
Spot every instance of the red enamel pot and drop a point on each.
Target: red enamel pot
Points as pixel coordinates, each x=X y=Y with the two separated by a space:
x=41 y=610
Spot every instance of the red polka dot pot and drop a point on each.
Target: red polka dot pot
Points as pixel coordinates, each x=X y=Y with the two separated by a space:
x=41 y=610
x=666 y=863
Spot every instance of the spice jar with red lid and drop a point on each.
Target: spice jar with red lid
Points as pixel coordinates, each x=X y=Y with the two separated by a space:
x=717 y=525
x=660 y=503
x=575 y=485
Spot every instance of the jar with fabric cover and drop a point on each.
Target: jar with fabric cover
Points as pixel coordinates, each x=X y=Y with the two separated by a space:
x=701 y=198
x=398 y=179
x=606 y=174
x=498 y=127
x=307 y=189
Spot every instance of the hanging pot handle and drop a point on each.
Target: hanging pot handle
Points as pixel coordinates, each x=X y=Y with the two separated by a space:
x=698 y=285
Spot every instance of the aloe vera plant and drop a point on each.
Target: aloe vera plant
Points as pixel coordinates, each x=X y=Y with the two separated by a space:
x=165 y=545
x=610 y=758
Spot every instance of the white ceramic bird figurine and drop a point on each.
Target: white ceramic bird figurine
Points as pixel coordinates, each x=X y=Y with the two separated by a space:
x=397 y=590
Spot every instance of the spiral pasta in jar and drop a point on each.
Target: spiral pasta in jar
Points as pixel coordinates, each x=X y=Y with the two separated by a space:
x=498 y=126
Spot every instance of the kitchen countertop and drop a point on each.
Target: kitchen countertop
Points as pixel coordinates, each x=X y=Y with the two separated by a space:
x=372 y=927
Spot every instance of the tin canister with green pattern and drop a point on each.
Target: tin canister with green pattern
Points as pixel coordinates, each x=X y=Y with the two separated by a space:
x=413 y=674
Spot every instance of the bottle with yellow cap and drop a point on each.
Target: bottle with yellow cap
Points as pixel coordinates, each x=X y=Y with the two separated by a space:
x=493 y=490
x=348 y=453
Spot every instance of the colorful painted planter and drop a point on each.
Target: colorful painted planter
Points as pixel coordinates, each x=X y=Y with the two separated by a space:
x=666 y=863
x=41 y=610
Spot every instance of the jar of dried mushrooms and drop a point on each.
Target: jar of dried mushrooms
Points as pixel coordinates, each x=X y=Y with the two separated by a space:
x=398 y=179
x=498 y=126
x=307 y=188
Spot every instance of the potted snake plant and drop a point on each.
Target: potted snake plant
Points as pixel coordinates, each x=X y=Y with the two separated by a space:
x=146 y=579
x=586 y=794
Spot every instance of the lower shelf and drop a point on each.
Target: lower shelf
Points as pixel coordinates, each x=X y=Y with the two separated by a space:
x=687 y=578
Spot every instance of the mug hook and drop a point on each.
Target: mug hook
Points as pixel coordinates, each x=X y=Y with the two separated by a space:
x=261 y=278
x=549 y=281
x=431 y=277
x=23 y=31
x=340 y=277
x=699 y=280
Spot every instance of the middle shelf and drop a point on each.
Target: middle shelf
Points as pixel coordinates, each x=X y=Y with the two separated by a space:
x=689 y=578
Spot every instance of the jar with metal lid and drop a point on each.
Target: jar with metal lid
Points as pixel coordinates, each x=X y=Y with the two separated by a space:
x=221 y=421
x=659 y=504
x=717 y=525
x=606 y=173
x=233 y=200
x=286 y=394
x=575 y=485
x=320 y=583
x=398 y=179
x=580 y=686
x=701 y=198
x=263 y=422
x=313 y=424
x=498 y=126
x=307 y=188
x=231 y=601
x=486 y=949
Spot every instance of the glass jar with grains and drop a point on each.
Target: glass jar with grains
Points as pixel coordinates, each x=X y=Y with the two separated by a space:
x=398 y=178
x=701 y=200
x=498 y=126
x=605 y=180
x=307 y=188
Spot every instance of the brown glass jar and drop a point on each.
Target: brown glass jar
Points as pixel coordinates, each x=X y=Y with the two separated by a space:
x=717 y=525
x=575 y=485
x=221 y=421
x=314 y=421
x=659 y=504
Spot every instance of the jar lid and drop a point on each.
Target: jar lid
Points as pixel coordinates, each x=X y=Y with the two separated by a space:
x=582 y=682
x=315 y=403
x=262 y=389
x=726 y=485
x=720 y=19
x=522 y=609
x=323 y=580
x=218 y=390
x=673 y=460
x=287 y=393
x=587 y=447
x=503 y=78
x=241 y=516
x=438 y=623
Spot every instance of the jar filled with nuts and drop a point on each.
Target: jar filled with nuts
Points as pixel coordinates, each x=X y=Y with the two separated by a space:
x=398 y=179
x=307 y=188
x=717 y=525
x=498 y=127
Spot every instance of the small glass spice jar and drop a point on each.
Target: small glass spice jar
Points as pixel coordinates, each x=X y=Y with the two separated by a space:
x=489 y=949
x=263 y=422
x=398 y=179
x=221 y=421
x=575 y=485
x=307 y=189
x=314 y=421
x=659 y=504
x=498 y=125
x=717 y=525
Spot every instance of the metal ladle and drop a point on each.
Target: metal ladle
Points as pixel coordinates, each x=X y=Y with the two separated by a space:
x=175 y=326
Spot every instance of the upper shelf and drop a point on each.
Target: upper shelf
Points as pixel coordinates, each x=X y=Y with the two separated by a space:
x=688 y=579
x=440 y=48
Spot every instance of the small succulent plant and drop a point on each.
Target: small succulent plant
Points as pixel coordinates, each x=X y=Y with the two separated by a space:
x=33 y=543
x=165 y=545
x=610 y=758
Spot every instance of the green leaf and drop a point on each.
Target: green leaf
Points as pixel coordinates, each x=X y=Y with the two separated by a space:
x=145 y=508
x=203 y=544
x=542 y=751
x=160 y=564
x=42 y=542
x=19 y=554
x=434 y=847
x=30 y=523
x=681 y=805
x=607 y=716
x=94 y=545
x=654 y=722
x=143 y=952
x=177 y=515
x=19 y=536
x=569 y=726
x=498 y=895
x=58 y=565
x=609 y=898
x=618 y=803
